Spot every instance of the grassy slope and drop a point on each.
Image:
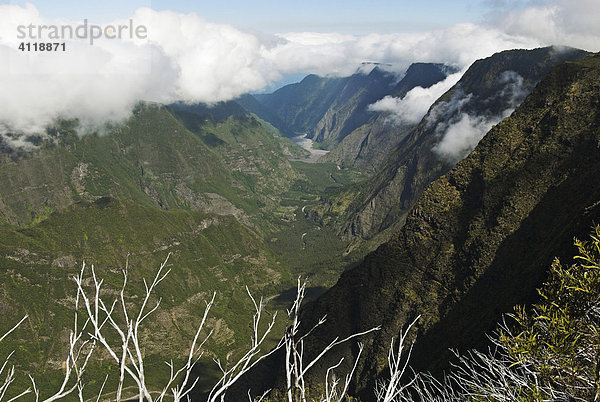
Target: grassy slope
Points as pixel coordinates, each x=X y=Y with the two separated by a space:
x=153 y=159
x=209 y=253
x=141 y=190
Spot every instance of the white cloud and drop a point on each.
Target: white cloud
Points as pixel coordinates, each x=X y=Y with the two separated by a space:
x=462 y=136
x=558 y=22
x=188 y=58
x=416 y=102
x=514 y=90
x=461 y=131
x=458 y=45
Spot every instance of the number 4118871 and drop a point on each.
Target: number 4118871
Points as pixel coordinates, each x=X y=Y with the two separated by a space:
x=42 y=47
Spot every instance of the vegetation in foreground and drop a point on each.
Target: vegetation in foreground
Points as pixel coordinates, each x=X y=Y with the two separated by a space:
x=547 y=352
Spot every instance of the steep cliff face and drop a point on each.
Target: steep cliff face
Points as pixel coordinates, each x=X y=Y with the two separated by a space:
x=421 y=75
x=487 y=92
x=300 y=106
x=482 y=236
x=349 y=108
x=252 y=105
x=329 y=109
x=367 y=147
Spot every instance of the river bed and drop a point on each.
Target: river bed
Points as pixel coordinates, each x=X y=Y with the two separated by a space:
x=307 y=143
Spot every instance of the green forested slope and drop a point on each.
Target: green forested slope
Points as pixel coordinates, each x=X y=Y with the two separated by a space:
x=204 y=186
x=480 y=238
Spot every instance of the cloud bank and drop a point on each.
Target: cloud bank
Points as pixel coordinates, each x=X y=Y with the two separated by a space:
x=416 y=103
x=460 y=130
x=463 y=135
x=556 y=22
x=187 y=58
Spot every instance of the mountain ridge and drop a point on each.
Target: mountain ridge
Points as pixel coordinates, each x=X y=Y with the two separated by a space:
x=477 y=227
x=380 y=206
x=328 y=109
x=368 y=146
x=478 y=242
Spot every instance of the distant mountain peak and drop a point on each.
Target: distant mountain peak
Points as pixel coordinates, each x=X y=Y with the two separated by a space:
x=366 y=67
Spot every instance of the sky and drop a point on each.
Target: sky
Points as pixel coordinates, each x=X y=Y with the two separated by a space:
x=201 y=51
x=274 y=16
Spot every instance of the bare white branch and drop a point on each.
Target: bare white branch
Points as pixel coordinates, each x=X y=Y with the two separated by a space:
x=250 y=359
x=295 y=366
x=10 y=375
x=390 y=390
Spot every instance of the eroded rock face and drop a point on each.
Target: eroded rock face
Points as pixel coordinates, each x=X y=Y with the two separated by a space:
x=208 y=202
x=376 y=214
x=65 y=261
